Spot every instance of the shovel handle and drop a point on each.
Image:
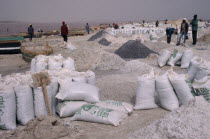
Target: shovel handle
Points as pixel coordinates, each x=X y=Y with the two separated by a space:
x=44 y=90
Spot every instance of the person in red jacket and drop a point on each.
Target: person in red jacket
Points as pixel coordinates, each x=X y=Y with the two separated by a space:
x=64 y=31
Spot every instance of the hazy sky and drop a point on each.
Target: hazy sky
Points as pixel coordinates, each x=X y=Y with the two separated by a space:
x=101 y=10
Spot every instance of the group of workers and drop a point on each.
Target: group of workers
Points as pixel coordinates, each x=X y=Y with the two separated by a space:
x=184 y=31
x=169 y=30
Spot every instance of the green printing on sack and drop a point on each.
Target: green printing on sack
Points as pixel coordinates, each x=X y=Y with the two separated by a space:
x=3 y=127
x=116 y=103
x=191 y=88
x=203 y=92
x=1 y=107
x=104 y=112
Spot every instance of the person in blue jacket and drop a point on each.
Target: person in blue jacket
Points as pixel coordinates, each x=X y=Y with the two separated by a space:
x=87 y=28
x=169 y=32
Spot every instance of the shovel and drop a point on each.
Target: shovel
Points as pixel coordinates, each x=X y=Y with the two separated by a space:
x=42 y=79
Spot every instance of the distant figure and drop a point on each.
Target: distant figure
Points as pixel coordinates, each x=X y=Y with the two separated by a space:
x=183 y=31
x=169 y=32
x=143 y=23
x=166 y=21
x=157 y=23
x=194 y=24
x=87 y=28
x=30 y=32
x=7 y=29
x=116 y=26
x=64 y=31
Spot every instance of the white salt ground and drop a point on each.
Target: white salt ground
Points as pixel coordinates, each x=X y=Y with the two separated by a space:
x=187 y=122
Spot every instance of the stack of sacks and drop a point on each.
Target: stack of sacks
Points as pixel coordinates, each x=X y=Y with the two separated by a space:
x=171 y=88
x=175 y=58
x=198 y=69
x=29 y=101
x=81 y=100
x=42 y=62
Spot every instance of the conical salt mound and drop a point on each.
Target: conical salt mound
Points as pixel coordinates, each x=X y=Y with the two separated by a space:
x=104 y=42
x=133 y=49
x=97 y=35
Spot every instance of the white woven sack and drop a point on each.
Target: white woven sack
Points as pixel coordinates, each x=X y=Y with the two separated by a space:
x=33 y=65
x=194 y=67
x=96 y=114
x=164 y=57
x=39 y=103
x=186 y=58
x=80 y=79
x=116 y=105
x=182 y=89
x=42 y=63
x=145 y=93
x=166 y=94
x=25 y=105
x=78 y=91
x=7 y=108
x=55 y=62
x=91 y=77
x=175 y=57
x=70 y=46
x=68 y=108
x=203 y=70
x=69 y=64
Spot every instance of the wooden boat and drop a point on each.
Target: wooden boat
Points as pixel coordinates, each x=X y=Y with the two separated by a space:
x=29 y=52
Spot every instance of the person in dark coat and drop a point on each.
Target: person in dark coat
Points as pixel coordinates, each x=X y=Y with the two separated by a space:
x=87 y=27
x=169 y=32
x=184 y=31
x=64 y=31
x=157 y=23
x=194 y=24
x=30 y=32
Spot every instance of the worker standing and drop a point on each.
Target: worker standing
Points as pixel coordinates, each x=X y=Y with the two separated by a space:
x=87 y=28
x=157 y=23
x=194 y=24
x=30 y=32
x=64 y=31
x=184 y=31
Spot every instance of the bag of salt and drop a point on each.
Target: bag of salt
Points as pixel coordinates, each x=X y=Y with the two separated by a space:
x=42 y=63
x=116 y=105
x=55 y=62
x=78 y=91
x=25 y=105
x=7 y=108
x=202 y=87
x=175 y=57
x=39 y=103
x=96 y=114
x=69 y=64
x=203 y=70
x=68 y=108
x=145 y=93
x=164 y=57
x=91 y=77
x=182 y=88
x=186 y=58
x=194 y=67
x=166 y=94
x=33 y=65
